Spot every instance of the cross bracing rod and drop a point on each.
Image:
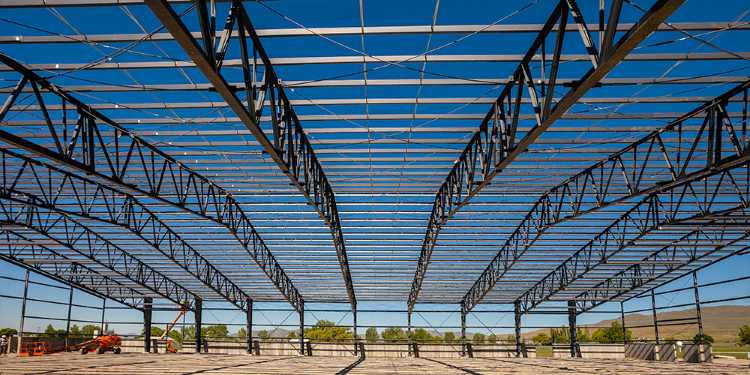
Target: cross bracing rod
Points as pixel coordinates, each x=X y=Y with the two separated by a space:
x=125 y=160
x=289 y=146
x=669 y=259
x=16 y=251
x=716 y=144
x=694 y=199
x=494 y=146
x=70 y=194
x=82 y=240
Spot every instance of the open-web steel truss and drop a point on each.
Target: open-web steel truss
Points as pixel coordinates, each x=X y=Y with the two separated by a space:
x=217 y=161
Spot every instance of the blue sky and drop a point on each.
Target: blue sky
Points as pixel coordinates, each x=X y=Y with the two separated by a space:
x=346 y=13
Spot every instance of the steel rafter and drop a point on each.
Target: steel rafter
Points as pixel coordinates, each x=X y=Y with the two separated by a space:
x=25 y=211
x=668 y=259
x=87 y=244
x=714 y=145
x=683 y=203
x=494 y=146
x=74 y=274
x=289 y=148
x=67 y=194
x=126 y=160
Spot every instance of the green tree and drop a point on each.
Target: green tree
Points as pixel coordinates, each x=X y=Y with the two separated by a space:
x=241 y=333
x=325 y=330
x=449 y=337
x=371 y=335
x=218 y=331
x=541 y=339
x=8 y=331
x=704 y=338
x=292 y=335
x=52 y=332
x=743 y=335
x=612 y=334
x=88 y=330
x=478 y=338
x=75 y=330
x=492 y=338
x=421 y=335
x=264 y=335
x=393 y=334
x=559 y=335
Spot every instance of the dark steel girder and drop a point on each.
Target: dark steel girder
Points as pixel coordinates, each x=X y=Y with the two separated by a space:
x=669 y=259
x=26 y=212
x=691 y=200
x=63 y=192
x=716 y=145
x=125 y=160
x=17 y=251
x=494 y=146
x=290 y=147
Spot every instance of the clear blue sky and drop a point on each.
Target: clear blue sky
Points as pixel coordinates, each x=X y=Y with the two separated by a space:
x=383 y=12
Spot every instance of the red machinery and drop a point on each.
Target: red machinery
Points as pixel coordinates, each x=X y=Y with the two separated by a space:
x=101 y=345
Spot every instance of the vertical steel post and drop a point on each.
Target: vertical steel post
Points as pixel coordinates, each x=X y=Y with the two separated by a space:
x=67 y=320
x=622 y=321
x=697 y=304
x=302 y=330
x=354 y=333
x=463 y=332
x=198 y=322
x=23 y=311
x=104 y=310
x=573 y=328
x=408 y=332
x=249 y=325
x=147 y=316
x=653 y=316
x=517 y=321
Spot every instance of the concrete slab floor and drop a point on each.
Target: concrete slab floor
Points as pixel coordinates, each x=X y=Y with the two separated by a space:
x=163 y=364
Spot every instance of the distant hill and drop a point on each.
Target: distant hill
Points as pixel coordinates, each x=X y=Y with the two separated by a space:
x=721 y=322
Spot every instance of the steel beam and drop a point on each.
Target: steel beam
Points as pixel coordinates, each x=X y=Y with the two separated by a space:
x=668 y=259
x=60 y=188
x=135 y=166
x=77 y=275
x=290 y=147
x=494 y=146
x=669 y=206
x=669 y=163
x=27 y=211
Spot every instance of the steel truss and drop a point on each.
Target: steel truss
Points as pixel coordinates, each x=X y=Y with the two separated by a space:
x=26 y=212
x=17 y=250
x=290 y=148
x=128 y=161
x=714 y=145
x=686 y=202
x=68 y=194
x=668 y=259
x=494 y=145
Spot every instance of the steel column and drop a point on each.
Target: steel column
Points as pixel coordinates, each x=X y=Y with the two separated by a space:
x=23 y=311
x=653 y=316
x=198 y=312
x=622 y=322
x=104 y=310
x=302 y=331
x=67 y=319
x=698 y=314
x=249 y=325
x=573 y=329
x=147 y=317
x=463 y=332
x=517 y=321
x=354 y=331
